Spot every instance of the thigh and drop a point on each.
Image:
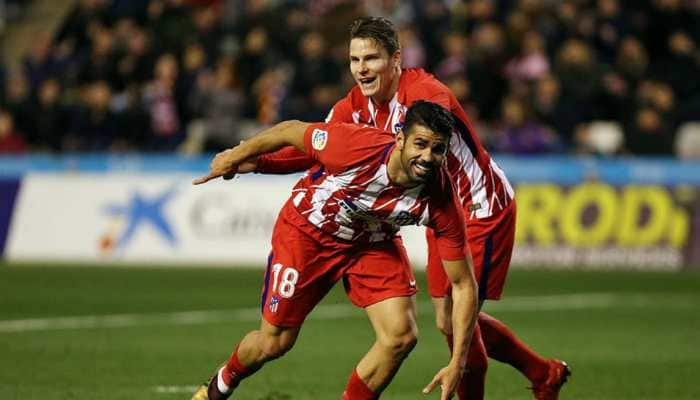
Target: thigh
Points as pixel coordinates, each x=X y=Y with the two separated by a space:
x=379 y=271
x=491 y=246
x=300 y=272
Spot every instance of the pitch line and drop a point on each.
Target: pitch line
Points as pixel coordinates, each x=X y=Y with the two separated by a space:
x=342 y=311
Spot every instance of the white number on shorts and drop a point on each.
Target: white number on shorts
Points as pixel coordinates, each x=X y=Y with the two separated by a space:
x=290 y=276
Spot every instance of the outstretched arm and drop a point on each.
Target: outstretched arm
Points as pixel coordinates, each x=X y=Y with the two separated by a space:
x=464 y=312
x=284 y=161
x=287 y=133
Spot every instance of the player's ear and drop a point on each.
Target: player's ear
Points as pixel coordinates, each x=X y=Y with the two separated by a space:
x=396 y=59
x=400 y=139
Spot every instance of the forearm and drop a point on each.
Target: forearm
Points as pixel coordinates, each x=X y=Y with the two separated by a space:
x=464 y=314
x=287 y=133
x=464 y=306
x=287 y=160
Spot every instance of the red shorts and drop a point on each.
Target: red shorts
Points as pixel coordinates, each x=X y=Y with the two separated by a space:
x=305 y=264
x=490 y=241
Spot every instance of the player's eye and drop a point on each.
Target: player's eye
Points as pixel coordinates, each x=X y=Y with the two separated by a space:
x=440 y=149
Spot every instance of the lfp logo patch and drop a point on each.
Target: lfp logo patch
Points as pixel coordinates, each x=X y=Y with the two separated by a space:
x=319 y=139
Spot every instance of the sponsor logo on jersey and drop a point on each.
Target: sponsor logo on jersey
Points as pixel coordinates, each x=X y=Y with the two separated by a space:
x=319 y=139
x=405 y=218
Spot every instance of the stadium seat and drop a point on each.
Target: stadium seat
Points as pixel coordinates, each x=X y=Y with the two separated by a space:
x=687 y=144
x=604 y=137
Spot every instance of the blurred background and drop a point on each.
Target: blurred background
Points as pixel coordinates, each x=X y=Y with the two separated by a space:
x=607 y=77
x=108 y=109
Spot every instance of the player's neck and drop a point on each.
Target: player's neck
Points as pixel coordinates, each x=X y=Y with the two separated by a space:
x=383 y=100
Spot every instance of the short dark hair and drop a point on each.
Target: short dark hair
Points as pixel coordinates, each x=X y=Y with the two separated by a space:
x=380 y=29
x=430 y=115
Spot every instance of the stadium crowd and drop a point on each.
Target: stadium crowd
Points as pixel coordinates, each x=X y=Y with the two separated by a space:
x=535 y=76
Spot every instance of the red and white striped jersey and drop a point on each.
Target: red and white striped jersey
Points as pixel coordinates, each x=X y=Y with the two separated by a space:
x=482 y=186
x=349 y=195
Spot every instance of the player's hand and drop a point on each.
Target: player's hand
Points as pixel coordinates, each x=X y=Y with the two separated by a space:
x=447 y=378
x=223 y=164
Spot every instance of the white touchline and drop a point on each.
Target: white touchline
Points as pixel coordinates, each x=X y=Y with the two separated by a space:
x=174 y=389
x=346 y=310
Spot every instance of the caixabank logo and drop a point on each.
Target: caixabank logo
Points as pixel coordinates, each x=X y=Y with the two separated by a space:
x=127 y=218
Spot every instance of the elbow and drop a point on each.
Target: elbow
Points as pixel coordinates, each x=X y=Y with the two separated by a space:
x=291 y=124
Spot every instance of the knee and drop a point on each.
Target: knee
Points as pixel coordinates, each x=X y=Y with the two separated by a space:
x=401 y=344
x=443 y=323
x=275 y=346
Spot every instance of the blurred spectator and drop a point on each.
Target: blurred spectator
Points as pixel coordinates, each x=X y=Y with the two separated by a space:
x=254 y=58
x=565 y=63
x=219 y=102
x=412 y=50
x=18 y=101
x=208 y=31
x=73 y=33
x=137 y=60
x=531 y=63
x=11 y=142
x=684 y=60
x=40 y=64
x=454 y=46
x=171 y=22
x=159 y=99
x=486 y=59
x=632 y=60
x=314 y=67
x=520 y=133
x=647 y=134
x=100 y=64
x=551 y=108
x=51 y=118
x=94 y=126
x=610 y=28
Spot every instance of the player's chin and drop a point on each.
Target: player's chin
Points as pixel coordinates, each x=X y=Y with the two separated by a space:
x=421 y=175
x=368 y=91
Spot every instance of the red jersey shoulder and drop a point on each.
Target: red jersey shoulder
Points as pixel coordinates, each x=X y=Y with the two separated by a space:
x=341 y=145
x=352 y=108
x=417 y=84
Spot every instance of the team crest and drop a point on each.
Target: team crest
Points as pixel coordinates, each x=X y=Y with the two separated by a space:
x=274 y=303
x=319 y=139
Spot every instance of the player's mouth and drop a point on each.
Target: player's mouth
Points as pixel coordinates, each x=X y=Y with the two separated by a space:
x=422 y=170
x=367 y=83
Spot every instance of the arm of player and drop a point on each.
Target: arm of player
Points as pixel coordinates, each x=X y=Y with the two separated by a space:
x=290 y=159
x=226 y=163
x=284 y=161
x=464 y=313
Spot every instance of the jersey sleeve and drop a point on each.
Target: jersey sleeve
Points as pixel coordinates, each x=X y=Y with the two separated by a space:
x=341 y=112
x=284 y=161
x=447 y=221
x=339 y=146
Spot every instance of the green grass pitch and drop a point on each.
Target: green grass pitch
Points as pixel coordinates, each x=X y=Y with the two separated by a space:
x=107 y=333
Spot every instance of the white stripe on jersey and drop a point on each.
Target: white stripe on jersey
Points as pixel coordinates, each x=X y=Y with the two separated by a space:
x=325 y=191
x=504 y=180
x=367 y=198
x=476 y=176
